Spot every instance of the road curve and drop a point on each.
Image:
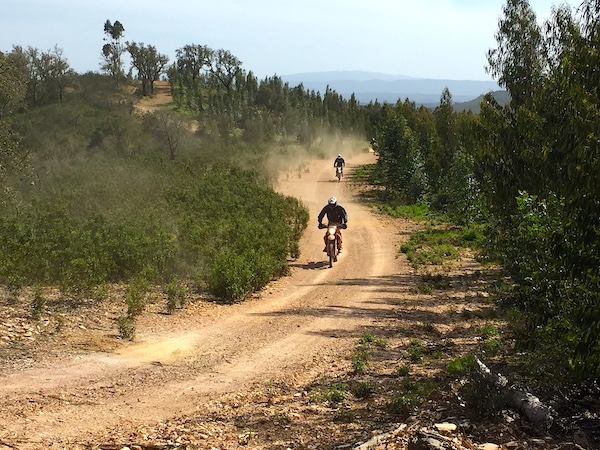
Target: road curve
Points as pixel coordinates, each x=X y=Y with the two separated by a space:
x=290 y=330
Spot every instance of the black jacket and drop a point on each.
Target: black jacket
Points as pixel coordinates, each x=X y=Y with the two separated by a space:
x=337 y=214
x=339 y=162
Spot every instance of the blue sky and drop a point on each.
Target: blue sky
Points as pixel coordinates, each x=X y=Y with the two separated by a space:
x=443 y=39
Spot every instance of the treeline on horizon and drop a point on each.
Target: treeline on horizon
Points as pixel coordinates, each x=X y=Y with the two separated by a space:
x=96 y=194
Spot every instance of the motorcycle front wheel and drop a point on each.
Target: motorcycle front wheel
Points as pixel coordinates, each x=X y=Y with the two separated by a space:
x=331 y=252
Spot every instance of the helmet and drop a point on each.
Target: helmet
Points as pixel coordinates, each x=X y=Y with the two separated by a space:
x=332 y=201
x=340 y=155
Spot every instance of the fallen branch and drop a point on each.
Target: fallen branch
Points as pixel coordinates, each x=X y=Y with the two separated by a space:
x=379 y=439
x=536 y=412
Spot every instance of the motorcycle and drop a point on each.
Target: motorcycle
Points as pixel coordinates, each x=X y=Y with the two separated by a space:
x=339 y=173
x=333 y=237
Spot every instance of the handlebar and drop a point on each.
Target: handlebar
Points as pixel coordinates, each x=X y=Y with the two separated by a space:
x=343 y=226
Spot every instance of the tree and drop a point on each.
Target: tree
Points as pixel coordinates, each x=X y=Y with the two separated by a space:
x=539 y=163
x=29 y=60
x=113 y=50
x=149 y=63
x=400 y=158
x=193 y=59
x=46 y=74
x=517 y=62
x=188 y=75
x=168 y=128
x=440 y=157
x=13 y=83
x=225 y=67
x=56 y=73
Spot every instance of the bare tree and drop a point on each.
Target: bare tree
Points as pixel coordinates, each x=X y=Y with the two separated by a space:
x=166 y=127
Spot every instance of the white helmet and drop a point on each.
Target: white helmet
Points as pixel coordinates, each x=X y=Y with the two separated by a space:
x=339 y=155
x=332 y=201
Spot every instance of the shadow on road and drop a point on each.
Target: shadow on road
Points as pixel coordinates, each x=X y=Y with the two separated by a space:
x=399 y=306
x=311 y=265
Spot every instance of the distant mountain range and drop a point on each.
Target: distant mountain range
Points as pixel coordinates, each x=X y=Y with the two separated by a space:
x=371 y=86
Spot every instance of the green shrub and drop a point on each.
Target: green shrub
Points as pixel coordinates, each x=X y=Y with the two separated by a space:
x=126 y=325
x=360 y=358
x=175 y=294
x=336 y=393
x=416 y=351
x=409 y=397
x=135 y=296
x=368 y=338
x=488 y=331
x=461 y=364
x=38 y=304
x=403 y=371
x=482 y=400
x=362 y=389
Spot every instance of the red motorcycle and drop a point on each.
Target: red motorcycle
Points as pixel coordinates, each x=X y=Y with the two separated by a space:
x=332 y=245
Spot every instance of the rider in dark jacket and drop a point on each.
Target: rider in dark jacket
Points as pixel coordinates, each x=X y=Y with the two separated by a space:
x=339 y=162
x=336 y=214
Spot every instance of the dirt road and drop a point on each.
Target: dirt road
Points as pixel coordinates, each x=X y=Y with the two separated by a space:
x=301 y=326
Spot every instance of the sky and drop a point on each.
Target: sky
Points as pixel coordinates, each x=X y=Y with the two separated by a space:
x=439 y=39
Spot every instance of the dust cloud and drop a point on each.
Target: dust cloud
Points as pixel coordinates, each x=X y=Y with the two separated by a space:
x=292 y=158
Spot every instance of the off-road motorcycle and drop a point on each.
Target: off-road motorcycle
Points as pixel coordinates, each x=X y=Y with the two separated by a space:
x=332 y=246
x=339 y=173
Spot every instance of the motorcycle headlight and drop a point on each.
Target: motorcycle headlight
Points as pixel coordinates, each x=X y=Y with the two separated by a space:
x=331 y=230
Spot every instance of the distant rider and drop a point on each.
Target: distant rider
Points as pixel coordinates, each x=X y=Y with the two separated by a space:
x=374 y=145
x=339 y=162
x=336 y=214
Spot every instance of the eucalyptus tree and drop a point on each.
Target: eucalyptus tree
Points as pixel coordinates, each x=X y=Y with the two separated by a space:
x=168 y=128
x=539 y=161
x=13 y=88
x=518 y=61
x=440 y=157
x=400 y=160
x=113 y=50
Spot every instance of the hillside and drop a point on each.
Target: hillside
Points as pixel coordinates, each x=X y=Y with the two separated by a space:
x=502 y=97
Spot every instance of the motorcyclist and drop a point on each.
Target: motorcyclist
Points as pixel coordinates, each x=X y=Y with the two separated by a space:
x=339 y=162
x=336 y=214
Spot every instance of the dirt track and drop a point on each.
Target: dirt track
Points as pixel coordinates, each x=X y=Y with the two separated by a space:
x=297 y=328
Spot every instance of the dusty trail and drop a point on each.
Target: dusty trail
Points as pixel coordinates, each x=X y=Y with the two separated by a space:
x=294 y=327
